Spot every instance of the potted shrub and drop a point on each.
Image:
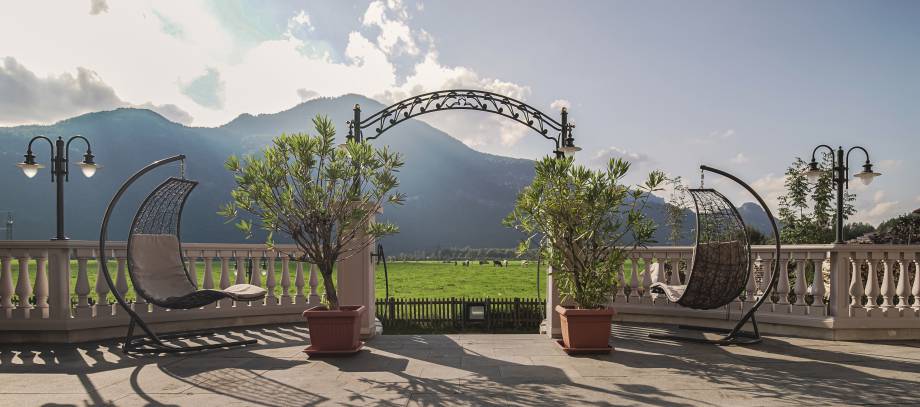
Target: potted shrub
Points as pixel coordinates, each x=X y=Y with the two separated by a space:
x=585 y=222
x=322 y=198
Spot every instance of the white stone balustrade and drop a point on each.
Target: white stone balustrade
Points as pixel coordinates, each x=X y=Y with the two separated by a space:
x=855 y=291
x=49 y=309
x=871 y=293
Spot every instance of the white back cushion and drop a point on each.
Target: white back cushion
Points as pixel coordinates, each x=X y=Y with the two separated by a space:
x=157 y=266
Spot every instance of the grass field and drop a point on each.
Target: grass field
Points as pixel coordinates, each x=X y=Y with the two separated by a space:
x=407 y=279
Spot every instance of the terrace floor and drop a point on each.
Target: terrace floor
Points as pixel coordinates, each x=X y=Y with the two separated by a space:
x=467 y=369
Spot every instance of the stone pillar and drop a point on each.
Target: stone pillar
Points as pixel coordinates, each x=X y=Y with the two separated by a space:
x=59 y=284
x=355 y=284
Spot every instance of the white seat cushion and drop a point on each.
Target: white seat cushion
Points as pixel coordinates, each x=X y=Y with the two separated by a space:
x=245 y=292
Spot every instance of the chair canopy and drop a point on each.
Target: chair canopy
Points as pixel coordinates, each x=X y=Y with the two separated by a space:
x=721 y=262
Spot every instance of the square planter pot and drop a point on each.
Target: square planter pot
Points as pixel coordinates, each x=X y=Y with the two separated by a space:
x=334 y=331
x=585 y=330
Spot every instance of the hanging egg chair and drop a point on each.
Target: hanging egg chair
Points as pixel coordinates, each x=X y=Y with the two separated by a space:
x=721 y=264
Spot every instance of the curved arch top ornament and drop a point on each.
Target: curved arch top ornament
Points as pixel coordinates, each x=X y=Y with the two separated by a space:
x=560 y=132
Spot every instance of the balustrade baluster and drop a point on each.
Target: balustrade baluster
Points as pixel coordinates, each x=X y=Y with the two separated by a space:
x=299 y=284
x=224 y=277
x=915 y=287
x=872 y=288
x=102 y=306
x=82 y=288
x=224 y=271
x=621 y=285
x=817 y=288
x=887 y=288
x=6 y=286
x=121 y=278
x=856 y=284
x=903 y=289
x=750 y=289
x=240 y=270
x=800 y=283
x=255 y=270
x=674 y=278
x=647 y=280
x=314 y=284
x=782 y=287
x=23 y=288
x=285 y=281
x=208 y=282
x=41 y=286
x=271 y=298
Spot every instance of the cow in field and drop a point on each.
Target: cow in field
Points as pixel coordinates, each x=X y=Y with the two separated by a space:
x=523 y=263
x=496 y=263
x=504 y=263
x=466 y=263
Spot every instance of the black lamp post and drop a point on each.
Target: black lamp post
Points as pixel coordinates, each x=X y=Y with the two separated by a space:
x=59 y=169
x=840 y=165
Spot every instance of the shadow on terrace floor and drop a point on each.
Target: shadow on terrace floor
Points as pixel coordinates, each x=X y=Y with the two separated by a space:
x=474 y=369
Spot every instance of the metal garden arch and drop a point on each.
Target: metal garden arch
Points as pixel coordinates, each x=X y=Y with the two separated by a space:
x=466 y=99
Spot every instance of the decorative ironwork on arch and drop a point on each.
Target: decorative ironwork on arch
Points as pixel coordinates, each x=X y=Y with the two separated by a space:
x=560 y=132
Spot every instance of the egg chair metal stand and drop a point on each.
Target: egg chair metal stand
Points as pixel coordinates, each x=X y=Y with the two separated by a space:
x=156 y=267
x=721 y=265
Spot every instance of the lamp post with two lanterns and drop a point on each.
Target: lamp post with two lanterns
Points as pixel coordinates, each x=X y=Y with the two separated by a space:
x=840 y=165
x=59 y=171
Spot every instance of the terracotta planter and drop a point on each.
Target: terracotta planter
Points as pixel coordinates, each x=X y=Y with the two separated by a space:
x=585 y=330
x=334 y=332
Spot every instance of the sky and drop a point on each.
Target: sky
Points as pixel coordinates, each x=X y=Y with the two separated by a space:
x=741 y=86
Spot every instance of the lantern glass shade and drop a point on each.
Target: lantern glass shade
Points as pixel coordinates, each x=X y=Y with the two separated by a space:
x=89 y=169
x=570 y=149
x=867 y=176
x=30 y=169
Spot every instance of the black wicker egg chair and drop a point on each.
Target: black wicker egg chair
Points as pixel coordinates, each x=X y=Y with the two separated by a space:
x=156 y=269
x=721 y=264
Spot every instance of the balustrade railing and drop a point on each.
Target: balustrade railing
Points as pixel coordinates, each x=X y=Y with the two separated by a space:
x=837 y=291
x=71 y=294
x=845 y=291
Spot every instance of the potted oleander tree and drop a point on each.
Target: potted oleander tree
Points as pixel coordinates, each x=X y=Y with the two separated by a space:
x=585 y=223
x=322 y=197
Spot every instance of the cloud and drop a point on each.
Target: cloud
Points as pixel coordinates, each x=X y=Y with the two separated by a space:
x=888 y=165
x=302 y=19
x=878 y=196
x=208 y=72
x=558 y=104
x=714 y=137
x=25 y=98
x=740 y=158
x=97 y=7
x=207 y=90
x=170 y=111
x=391 y=19
x=306 y=94
x=603 y=156
x=770 y=187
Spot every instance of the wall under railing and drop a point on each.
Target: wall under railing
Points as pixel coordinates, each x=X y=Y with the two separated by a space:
x=843 y=292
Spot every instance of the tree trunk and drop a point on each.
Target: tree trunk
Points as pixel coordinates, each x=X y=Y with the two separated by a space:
x=331 y=295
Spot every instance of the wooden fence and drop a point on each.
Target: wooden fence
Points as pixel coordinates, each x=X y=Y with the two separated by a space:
x=461 y=314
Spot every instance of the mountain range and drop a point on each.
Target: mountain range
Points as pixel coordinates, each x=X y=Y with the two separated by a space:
x=457 y=196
